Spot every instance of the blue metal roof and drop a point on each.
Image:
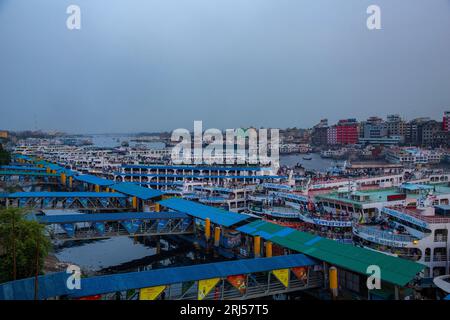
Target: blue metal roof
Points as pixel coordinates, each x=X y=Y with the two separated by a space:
x=54 y=285
x=135 y=190
x=197 y=210
x=63 y=195
x=87 y=178
x=135 y=280
x=119 y=216
x=24 y=168
x=49 y=285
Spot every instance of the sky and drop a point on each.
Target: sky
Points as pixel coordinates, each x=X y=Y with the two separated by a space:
x=154 y=65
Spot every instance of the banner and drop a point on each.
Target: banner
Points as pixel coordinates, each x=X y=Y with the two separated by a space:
x=100 y=227
x=205 y=286
x=131 y=226
x=238 y=281
x=69 y=228
x=282 y=275
x=151 y=293
x=301 y=273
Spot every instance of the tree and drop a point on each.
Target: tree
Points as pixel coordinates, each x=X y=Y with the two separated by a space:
x=5 y=157
x=23 y=245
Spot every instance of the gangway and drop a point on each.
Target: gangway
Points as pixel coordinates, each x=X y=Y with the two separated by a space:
x=106 y=225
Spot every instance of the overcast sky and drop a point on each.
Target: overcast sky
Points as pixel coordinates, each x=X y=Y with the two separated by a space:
x=150 y=65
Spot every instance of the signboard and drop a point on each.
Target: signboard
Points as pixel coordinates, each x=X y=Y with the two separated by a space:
x=301 y=273
x=151 y=293
x=238 y=281
x=282 y=275
x=205 y=286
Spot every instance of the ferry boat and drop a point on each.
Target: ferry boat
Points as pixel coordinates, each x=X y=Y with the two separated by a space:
x=418 y=233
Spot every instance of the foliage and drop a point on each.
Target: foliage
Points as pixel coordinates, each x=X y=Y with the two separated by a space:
x=23 y=240
x=5 y=156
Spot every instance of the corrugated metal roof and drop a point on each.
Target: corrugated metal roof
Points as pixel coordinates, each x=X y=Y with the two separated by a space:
x=65 y=195
x=394 y=270
x=27 y=173
x=119 y=216
x=135 y=280
x=94 y=180
x=53 y=285
x=216 y=215
x=24 y=168
x=49 y=285
x=135 y=190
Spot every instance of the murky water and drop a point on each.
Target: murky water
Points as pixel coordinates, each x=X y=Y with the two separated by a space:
x=100 y=254
x=316 y=163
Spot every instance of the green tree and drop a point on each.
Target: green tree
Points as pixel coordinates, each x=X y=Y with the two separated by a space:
x=23 y=245
x=5 y=156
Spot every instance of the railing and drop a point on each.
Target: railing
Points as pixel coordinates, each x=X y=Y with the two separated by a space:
x=440 y=238
x=257 y=286
x=429 y=219
x=440 y=257
x=385 y=235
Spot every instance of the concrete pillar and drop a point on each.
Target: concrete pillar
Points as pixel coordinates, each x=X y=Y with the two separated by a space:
x=216 y=236
x=63 y=179
x=332 y=272
x=207 y=229
x=134 y=203
x=257 y=246
x=268 y=249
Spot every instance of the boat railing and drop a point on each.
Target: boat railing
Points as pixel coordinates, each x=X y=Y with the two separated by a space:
x=385 y=235
x=429 y=219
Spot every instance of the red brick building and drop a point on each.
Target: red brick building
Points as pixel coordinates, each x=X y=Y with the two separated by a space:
x=347 y=131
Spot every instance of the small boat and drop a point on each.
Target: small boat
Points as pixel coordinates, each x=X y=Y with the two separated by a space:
x=307 y=158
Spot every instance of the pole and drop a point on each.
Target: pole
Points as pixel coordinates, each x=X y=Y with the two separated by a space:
x=36 y=281
x=14 y=245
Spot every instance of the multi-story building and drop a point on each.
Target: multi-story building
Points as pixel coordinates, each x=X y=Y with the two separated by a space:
x=395 y=126
x=347 y=131
x=412 y=134
x=332 y=135
x=427 y=130
x=320 y=136
x=446 y=121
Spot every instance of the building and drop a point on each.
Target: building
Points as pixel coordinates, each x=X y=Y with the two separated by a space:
x=3 y=134
x=374 y=128
x=396 y=126
x=347 y=131
x=446 y=121
x=427 y=130
x=441 y=139
x=332 y=135
x=320 y=136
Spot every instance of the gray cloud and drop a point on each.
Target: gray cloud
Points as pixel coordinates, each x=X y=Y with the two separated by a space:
x=161 y=64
